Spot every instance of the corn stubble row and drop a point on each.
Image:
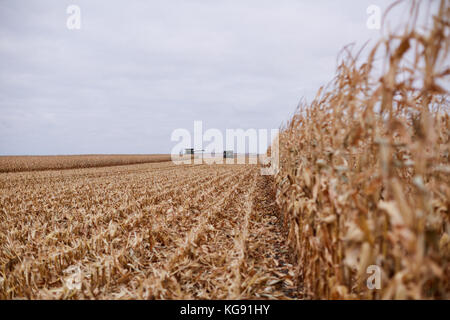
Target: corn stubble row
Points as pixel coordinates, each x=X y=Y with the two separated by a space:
x=365 y=172
x=147 y=231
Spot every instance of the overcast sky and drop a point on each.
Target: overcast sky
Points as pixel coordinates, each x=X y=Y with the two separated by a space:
x=137 y=70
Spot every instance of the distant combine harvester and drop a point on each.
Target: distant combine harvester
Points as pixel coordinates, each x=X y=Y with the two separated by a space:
x=228 y=154
x=191 y=152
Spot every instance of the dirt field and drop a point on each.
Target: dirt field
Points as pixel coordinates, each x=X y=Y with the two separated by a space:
x=142 y=231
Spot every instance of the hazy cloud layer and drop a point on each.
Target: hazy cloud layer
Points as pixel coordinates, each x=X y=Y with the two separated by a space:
x=137 y=70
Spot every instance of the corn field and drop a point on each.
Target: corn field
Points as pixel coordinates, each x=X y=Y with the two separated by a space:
x=145 y=231
x=364 y=177
x=364 y=184
x=36 y=163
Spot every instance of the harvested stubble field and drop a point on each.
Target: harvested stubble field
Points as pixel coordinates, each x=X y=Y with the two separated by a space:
x=142 y=231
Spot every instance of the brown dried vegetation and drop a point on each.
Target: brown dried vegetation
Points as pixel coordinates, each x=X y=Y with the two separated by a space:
x=365 y=172
x=146 y=231
x=36 y=163
x=364 y=181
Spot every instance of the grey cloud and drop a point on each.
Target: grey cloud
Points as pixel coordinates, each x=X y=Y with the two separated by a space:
x=137 y=70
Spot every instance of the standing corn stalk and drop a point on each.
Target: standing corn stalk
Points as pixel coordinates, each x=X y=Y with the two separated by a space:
x=365 y=173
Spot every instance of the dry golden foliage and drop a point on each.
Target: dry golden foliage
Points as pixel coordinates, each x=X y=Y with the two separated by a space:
x=365 y=173
x=145 y=231
x=36 y=163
